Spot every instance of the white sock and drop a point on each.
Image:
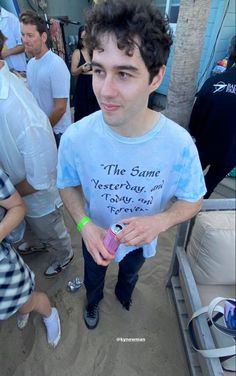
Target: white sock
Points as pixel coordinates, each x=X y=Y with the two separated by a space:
x=21 y=320
x=53 y=327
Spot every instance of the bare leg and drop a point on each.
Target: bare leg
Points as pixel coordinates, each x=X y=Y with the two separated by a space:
x=38 y=302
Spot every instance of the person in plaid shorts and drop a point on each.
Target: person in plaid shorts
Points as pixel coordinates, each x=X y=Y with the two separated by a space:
x=17 y=284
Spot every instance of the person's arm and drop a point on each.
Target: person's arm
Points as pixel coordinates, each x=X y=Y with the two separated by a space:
x=92 y=235
x=16 y=211
x=142 y=230
x=75 y=70
x=13 y=51
x=24 y=188
x=58 y=110
x=38 y=149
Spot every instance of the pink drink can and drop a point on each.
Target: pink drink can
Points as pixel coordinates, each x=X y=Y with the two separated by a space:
x=110 y=241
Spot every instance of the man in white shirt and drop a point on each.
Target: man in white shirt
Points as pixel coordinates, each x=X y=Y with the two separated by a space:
x=28 y=155
x=13 y=51
x=47 y=74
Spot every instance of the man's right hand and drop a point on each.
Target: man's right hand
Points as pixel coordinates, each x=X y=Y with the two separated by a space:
x=93 y=238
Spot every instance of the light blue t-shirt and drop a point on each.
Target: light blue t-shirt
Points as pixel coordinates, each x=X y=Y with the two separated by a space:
x=124 y=177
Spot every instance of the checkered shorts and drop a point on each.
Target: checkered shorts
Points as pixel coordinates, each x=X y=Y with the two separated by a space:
x=16 y=282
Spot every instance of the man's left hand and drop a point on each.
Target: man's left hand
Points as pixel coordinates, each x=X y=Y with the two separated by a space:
x=140 y=230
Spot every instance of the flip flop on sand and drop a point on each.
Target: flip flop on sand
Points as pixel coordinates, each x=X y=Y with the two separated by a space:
x=22 y=320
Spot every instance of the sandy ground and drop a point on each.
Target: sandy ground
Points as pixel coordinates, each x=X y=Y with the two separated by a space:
x=99 y=352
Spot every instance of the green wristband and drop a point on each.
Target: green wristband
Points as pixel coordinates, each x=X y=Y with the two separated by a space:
x=82 y=223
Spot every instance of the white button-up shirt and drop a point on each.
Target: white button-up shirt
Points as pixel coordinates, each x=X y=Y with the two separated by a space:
x=27 y=145
x=10 y=27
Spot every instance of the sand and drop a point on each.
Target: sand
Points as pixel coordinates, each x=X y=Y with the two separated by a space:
x=110 y=349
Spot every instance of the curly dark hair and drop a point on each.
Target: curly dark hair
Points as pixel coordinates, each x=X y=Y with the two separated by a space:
x=134 y=23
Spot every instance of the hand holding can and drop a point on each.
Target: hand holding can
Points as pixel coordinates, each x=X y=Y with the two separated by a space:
x=110 y=241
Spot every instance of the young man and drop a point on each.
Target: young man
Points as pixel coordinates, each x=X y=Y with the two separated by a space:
x=13 y=51
x=126 y=162
x=47 y=74
x=28 y=155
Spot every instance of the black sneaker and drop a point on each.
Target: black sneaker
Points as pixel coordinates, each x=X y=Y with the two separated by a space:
x=25 y=249
x=57 y=267
x=125 y=303
x=91 y=316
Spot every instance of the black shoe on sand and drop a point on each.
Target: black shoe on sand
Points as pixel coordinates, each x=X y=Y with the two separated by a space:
x=91 y=316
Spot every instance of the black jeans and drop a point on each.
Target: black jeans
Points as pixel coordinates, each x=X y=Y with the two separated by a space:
x=94 y=275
